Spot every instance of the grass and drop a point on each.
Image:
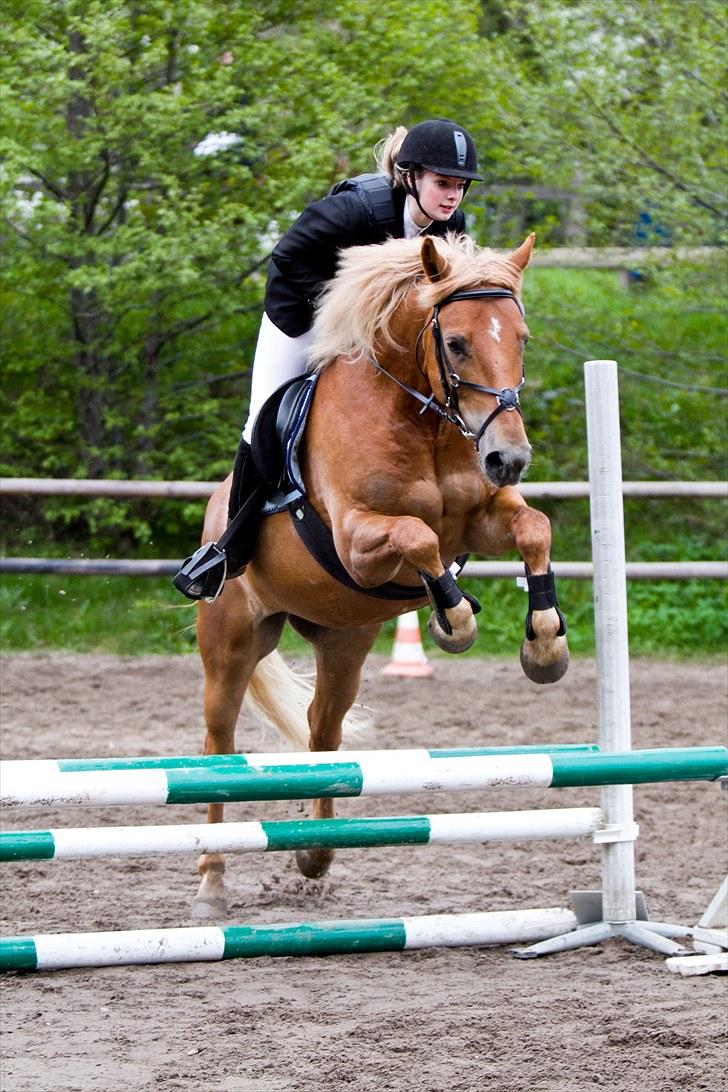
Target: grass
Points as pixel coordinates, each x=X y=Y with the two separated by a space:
x=126 y=616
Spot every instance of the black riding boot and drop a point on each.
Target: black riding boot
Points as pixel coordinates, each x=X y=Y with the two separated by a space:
x=245 y=491
x=203 y=575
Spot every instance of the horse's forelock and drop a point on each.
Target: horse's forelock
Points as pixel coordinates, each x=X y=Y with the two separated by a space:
x=357 y=307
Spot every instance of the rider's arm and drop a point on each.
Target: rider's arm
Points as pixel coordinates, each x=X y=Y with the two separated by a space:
x=306 y=257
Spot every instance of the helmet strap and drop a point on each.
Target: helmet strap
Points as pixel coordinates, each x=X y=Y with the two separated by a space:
x=410 y=186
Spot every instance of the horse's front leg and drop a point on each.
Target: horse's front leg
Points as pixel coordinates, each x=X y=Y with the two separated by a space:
x=544 y=651
x=375 y=548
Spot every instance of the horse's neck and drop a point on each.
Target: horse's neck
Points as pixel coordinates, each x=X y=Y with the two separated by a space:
x=399 y=353
x=358 y=403
x=368 y=447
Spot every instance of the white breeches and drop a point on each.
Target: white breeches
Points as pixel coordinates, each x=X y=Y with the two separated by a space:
x=278 y=358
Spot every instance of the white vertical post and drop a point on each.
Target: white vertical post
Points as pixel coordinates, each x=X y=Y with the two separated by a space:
x=610 y=618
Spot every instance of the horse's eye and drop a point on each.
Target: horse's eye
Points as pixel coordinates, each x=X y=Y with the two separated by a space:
x=456 y=345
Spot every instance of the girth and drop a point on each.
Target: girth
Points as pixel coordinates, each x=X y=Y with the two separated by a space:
x=319 y=541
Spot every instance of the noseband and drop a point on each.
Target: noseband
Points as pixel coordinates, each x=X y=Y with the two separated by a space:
x=507 y=397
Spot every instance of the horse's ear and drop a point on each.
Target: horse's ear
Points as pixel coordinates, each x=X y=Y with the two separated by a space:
x=522 y=255
x=433 y=263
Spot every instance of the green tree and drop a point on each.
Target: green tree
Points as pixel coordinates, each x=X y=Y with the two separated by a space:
x=134 y=264
x=624 y=100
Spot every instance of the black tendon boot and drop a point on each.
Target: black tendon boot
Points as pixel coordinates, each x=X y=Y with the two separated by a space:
x=203 y=575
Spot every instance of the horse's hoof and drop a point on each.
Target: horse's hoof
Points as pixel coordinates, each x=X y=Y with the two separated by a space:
x=540 y=670
x=208 y=909
x=314 y=863
x=457 y=641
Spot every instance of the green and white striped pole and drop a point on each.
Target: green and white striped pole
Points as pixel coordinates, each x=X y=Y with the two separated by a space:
x=84 y=842
x=63 y=950
x=375 y=773
x=9 y=767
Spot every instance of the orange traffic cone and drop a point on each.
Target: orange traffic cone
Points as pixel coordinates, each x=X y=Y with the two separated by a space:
x=408 y=655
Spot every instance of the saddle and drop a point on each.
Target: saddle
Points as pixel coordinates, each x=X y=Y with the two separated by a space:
x=277 y=435
x=279 y=429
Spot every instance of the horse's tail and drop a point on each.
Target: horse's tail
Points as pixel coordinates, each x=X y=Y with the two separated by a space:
x=281 y=695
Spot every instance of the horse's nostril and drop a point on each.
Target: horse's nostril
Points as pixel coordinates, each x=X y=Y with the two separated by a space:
x=504 y=469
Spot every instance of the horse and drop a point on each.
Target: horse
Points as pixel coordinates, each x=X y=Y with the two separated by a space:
x=412 y=452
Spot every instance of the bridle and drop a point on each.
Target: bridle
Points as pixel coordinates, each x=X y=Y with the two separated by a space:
x=507 y=397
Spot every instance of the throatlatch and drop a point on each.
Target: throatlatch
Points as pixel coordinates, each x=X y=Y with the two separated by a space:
x=542 y=596
x=444 y=593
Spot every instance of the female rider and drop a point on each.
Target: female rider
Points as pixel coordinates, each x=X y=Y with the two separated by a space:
x=425 y=173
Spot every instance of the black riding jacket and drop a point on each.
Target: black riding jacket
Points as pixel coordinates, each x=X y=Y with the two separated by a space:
x=307 y=255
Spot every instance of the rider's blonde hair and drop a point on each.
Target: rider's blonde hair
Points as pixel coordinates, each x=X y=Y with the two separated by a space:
x=386 y=153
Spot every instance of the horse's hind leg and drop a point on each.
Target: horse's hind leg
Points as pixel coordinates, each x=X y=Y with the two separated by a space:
x=231 y=643
x=340 y=656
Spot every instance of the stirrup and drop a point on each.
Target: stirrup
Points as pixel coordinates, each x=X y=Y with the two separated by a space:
x=203 y=574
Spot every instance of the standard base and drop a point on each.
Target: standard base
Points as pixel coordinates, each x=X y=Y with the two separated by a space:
x=655 y=935
x=652 y=935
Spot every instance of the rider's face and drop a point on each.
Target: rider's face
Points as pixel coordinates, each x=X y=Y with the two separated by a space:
x=439 y=196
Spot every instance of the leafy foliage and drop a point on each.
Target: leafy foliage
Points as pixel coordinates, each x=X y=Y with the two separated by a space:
x=135 y=265
x=623 y=101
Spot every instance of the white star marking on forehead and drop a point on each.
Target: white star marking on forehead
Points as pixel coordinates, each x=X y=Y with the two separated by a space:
x=495 y=328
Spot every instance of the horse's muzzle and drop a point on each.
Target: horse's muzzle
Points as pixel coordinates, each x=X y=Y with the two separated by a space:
x=506 y=466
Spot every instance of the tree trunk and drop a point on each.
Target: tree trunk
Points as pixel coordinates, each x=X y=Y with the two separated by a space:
x=88 y=320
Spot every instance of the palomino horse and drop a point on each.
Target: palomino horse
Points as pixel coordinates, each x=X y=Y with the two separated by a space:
x=413 y=449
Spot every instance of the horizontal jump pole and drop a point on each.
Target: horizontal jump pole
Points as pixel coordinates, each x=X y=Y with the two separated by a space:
x=565 y=570
x=209 y=944
x=12 y=767
x=376 y=773
x=75 y=566
x=397 y=830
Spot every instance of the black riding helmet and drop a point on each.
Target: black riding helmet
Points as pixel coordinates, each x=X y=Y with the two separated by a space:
x=441 y=146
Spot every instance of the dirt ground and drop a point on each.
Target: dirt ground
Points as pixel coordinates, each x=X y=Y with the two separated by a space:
x=445 y=1020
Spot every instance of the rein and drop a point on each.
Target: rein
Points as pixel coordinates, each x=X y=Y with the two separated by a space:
x=507 y=397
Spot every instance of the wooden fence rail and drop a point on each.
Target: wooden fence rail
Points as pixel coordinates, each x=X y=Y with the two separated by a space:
x=622 y=257
x=574 y=570
x=192 y=490
x=566 y=570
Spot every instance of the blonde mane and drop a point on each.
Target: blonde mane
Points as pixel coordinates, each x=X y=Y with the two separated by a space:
x=356 y=309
